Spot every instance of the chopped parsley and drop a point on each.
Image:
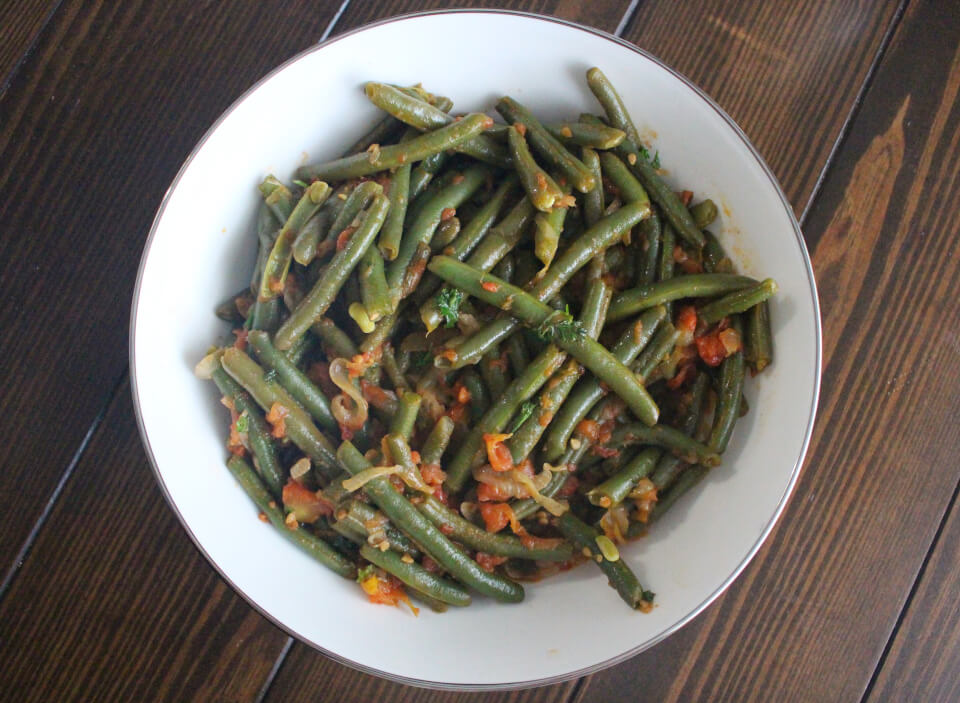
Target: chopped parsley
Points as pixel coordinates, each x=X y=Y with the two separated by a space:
x=562 y=326
x=366 y=572
x=526 y=411
x=649 y=596
x=656 y=160
x=301 y=184
x=448 y=302
x=243 y=423
x=421 y=359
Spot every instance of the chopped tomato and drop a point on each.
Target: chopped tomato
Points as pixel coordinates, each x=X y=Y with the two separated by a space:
x=606 y=430
x=449 y=354
x=359 y=363
x=711 y=348
x=375 y=395
x=463 y=394
x=589 y=429
x=685 y=196
x=241 y=342
x=276 y=419
x=497 y=452
x=305 y=505
x=458 y=413
x=569 y=487
x=386 y=591
x=605 y=452
x=235 y=441
x=684 y=374
x=319 y=373
x=488 y=562
x=432 y=474
x=344 y=237
x=489 y=286
x=521 y=127
x=449 y=212
x=687 y=318
x=487 y=492
x=496 y=516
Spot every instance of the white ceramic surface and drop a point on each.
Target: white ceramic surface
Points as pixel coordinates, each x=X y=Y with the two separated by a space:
x=201 y=248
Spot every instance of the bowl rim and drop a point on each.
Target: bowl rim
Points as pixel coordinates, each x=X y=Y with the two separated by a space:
x=510 y=685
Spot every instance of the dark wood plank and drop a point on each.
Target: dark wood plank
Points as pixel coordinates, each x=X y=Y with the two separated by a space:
x=809 y=619
x=603 y=14
x=924 y=660
x=787 y=73
x=20 y=20
x=92 y=130
x=305 y=671
x=115 y=603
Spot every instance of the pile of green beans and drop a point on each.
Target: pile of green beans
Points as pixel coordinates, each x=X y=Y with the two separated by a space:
x=470 y=353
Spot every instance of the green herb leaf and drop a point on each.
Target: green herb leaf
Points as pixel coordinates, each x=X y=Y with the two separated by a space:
x=448 y=302
x=656 y=160
x=421 y=359
x=562 y=326
x=366 y=572
x=243 y=423
x=270 y=375
x=301 y=184
x=649 y=596
x=524 y=414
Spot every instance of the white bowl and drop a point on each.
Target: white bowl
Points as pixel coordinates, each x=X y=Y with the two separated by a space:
x=200 y=249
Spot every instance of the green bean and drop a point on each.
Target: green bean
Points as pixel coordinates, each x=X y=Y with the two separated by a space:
x=389 y=363
x=310 y=543
x=670 y=466
x=294 y=380
x=494 y=373
x=423 y=116
x=687 y=480
x=615 y=489
x=479 y=398
x=380 y=334
x=618 y=173
x=416 y=577
x=547 y=145
x=405 y=418
x=656 y=351
x=676 y=441
x=299 y=426
x=517 y=354
x=265 y=315
x=521 y=389
x=373 y=285
x=405 y=516
x=728 y=405
x=383 y=132
x=589 y=391
x=540 y=316
x=589 y=135
x=621 y=577
x=542 y=190
x=612 y=103
x=425 y=224
x=584 y=248
x=593 y=200
x=366 y=522
x=501 y=545
x=304 y=347
x=524 y=439
x=277 y=197
x=447 y=231
x=546 y=232
x=715 y=259
x=278 y=262
x=758 y=342
x=336 y=342
x=422 y=175
x=359 y=199
x=437 y=441
x=505 y=268
x=319 y=299
x=258 y=434
x=399 y=194
x=738 y=301
x=704 y=213
x=310 y=236
x=389 y=157
x=480 y=224
x=699 y=285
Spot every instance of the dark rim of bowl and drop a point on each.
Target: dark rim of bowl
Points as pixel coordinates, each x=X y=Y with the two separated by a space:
x=439 y=685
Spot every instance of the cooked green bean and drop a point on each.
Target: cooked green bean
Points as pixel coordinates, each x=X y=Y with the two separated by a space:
x=687 y=480
x=277 y=197
x=385 y=131
x=437 y=441
x=405 y=418
x=758 y=343
x=310 y=543
x=542 y=190
x=405 y=516
x=678 y=442
x=612 y=491
x=542 y=317
x=497 y=544
x=336 y=342
x=656 y=351
x=670 y=465
x=738 y=301
x=320 y=298
x=364 y=520
x=728 y=405
x=399 y=193
x=618 y=173
x=547 y=145
x=699 y=285
x=704 y=213
x=715 y=259
x=389 y=157
x=589 y=391
x=358 y=199
x=589 y=135
x=621 y=577
x=479 y=398
x=546 y=232
x=298 y=425
x=310 y=236
x=593 y=200
x=294 y=380
x=612 y=103
x=416 y=577
x=373 y=285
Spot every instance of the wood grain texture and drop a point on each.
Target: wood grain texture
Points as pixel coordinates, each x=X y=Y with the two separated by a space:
x=21 y=20
x=93 y=128
x=603 y=14
x=788 y=73
x=809 y=619
x=924 y=660
x=115 y=604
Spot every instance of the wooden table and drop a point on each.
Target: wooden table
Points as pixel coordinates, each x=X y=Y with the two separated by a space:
x=856 y=595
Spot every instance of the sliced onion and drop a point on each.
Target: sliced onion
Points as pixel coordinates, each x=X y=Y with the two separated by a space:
x=353 y=417
x=357 y=482
x=554 y=507
x=208 y=364
x=300 y=469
